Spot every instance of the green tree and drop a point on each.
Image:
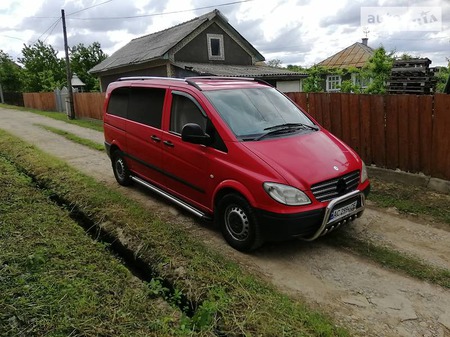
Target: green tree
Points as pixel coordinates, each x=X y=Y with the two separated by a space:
x=299 y=69
x=83 y=58
x=442 y=77
x=315 y=80
x=10 y=73
x=43 y=70
x=349 y=87
x=378 y=70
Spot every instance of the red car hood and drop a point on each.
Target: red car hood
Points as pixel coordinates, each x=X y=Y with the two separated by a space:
x=304 y=160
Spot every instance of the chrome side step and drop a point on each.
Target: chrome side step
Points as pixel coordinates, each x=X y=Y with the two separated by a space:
x=172 y=198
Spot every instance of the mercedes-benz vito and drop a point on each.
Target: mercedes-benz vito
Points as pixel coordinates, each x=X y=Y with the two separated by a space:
x=236 y=151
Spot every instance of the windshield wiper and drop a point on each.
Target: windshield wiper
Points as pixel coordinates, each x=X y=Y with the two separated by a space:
x=290 y=126
x=284 y=128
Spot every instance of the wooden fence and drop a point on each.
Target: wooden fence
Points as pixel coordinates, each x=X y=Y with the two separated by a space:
x=406 y=132
x=86 y=105
x=40 y=100
x=89 y=104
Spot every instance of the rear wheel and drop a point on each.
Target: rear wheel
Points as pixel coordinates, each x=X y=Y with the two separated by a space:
x=238 y=223
x=120 y=169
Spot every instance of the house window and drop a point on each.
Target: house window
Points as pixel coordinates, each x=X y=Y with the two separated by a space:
x=360 y=82
x=215 y=47
x=333 y=83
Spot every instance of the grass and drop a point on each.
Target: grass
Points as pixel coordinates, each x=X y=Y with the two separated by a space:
x=86 y=123
x=56 y=281
x=74 y=138
x=412 y=200
x=226 y=299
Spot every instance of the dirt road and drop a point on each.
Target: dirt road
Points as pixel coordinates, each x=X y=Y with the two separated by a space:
x=369 y=300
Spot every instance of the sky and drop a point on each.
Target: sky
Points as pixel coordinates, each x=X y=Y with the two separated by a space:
x=298 y=32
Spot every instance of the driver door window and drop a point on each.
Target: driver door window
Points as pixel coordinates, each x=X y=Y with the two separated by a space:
x=185 y=110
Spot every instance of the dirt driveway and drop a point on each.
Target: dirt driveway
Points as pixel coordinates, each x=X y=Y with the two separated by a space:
x=369 y=300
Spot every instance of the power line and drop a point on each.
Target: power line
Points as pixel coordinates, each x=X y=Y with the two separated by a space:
x=85 y=9
x=164 y=13
x=51 y=28
x=13 y=37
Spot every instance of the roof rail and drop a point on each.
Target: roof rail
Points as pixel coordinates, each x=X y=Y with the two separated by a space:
x=143 y=78
x=231 y=78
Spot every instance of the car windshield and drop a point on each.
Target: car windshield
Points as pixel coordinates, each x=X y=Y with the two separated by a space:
x=254 y=113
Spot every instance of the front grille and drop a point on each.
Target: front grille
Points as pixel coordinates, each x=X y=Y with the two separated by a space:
x=336 y=187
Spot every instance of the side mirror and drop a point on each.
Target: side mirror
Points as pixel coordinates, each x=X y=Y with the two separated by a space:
x=193 y=133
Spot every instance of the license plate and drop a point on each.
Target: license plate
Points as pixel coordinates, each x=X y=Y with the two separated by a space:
x=341 y=212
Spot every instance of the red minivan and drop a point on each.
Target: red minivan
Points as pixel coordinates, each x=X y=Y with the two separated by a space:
x=236 y=151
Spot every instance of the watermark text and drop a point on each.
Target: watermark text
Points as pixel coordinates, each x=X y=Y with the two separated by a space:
x=402 y=18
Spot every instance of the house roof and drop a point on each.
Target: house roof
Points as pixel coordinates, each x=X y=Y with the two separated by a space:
x=157 y=45
x=355 y=55
x=256 y=71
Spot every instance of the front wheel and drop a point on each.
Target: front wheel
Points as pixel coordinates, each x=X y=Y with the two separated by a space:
x=120 y=169
x=238 y=223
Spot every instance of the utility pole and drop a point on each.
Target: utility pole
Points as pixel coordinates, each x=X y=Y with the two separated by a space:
x=71 y=112
x=2 y=99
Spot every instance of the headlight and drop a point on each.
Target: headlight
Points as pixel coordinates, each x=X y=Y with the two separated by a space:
x=286 y=195
x=364 y=175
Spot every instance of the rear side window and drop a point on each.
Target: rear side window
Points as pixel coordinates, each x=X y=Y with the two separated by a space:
x=146 y=105
x=118 y=102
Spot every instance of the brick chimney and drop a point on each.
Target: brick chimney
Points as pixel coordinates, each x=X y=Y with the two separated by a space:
x=364 y=40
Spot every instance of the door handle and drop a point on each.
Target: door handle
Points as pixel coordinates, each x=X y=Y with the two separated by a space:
x=155 y=138
x=168 y=143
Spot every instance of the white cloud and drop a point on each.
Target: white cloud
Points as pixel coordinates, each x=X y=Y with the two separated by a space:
x=300 y=32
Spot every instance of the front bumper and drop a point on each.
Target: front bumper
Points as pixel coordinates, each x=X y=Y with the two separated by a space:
x=312 y=224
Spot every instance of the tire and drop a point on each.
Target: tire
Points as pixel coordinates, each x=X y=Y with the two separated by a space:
x=120 y=169
x=238 y=223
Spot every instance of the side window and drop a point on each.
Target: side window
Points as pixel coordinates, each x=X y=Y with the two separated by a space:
x=118 y=102
x=146 y=105
x=185 y=110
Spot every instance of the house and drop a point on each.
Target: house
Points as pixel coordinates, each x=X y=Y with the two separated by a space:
x=354 y=56
x=206 y=45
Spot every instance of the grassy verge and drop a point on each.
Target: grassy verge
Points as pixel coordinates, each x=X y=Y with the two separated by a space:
x=226 y=300
x=56 y=281
x=74 y=138
x=90 y=124
x=412 y=200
